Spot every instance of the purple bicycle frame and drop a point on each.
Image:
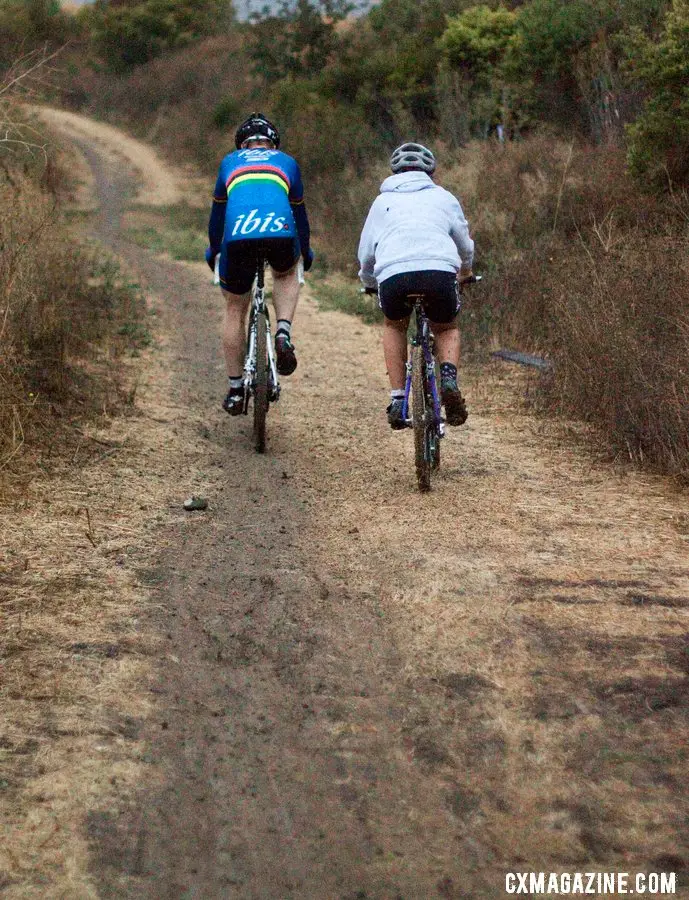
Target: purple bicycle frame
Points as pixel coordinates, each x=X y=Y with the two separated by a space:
x=423 y=327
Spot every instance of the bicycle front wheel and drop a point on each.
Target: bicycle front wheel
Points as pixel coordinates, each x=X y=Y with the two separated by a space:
x=261 y=385
x=434 y=436
x=435 y=453
x=420 y=420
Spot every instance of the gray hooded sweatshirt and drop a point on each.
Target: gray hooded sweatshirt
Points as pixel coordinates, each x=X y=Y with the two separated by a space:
x=413 y=225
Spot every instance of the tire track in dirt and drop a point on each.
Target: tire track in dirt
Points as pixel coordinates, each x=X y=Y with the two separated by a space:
x=368 y=693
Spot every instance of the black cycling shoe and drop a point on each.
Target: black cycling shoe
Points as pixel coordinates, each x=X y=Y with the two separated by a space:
x=455 y=406
x=234 y=402
x=286 y=357
x=395 y=414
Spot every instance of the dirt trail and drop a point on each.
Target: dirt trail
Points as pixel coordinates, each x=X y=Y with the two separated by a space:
x=359 y=691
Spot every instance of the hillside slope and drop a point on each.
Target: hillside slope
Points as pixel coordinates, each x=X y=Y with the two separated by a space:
x=343 y=688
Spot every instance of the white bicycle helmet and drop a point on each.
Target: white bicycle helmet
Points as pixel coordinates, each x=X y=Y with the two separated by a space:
x=412 y=156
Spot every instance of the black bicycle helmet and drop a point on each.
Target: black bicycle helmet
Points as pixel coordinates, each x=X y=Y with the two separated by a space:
x=256 y=126
x=412 y=156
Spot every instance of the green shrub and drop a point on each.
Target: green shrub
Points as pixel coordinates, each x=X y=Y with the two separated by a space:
x=297 y=39
x=131 y=35
x=26 y=25
x=227 y=113
x=477 y=40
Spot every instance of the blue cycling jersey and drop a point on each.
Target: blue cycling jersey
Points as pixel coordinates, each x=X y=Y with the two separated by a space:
x=258 y=195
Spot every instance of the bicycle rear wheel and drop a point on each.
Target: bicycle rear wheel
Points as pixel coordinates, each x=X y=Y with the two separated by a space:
x=420 y=420
x=261 y=385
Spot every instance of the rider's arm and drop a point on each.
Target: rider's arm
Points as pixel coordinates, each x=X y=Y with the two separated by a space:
x=301 y=220
x=367 y=249
x=460 y=235
x=216 y=223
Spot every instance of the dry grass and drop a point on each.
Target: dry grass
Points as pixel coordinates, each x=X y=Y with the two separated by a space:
x=65 y=318
x=70 y=655
x=536 y=603
x=620 y=339
x=77 y=656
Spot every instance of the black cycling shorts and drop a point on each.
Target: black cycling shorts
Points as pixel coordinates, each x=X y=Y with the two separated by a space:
x=238 y=260
x=441 y=295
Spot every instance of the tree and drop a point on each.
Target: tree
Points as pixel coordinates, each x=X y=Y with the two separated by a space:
x=473 y=48
x=298 y=39
x=567 y=58
x=658 y=151
x=476 y=41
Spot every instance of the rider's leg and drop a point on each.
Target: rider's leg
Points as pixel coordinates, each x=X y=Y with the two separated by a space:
x=285 y=293
x=447 y=342
x=285 y=297
x=234 y=332
x=395 y=350
x=234 y=346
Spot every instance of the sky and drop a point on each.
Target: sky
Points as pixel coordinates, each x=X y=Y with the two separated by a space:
x=244 y=7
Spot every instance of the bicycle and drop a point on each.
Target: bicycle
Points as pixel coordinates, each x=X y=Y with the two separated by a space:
x=422 y=386
x=260 y=374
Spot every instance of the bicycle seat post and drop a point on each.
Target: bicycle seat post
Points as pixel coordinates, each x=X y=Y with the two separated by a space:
x=417 y=300
x=260 y=274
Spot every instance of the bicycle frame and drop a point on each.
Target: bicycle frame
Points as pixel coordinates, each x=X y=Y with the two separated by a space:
x=424 y=339
x=258 y=305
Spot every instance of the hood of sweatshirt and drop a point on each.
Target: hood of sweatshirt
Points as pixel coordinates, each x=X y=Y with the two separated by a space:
x=406 y=182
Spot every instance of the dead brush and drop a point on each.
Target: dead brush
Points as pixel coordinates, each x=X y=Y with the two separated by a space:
x=620 y=338
x=587 y=270
x=56 y=319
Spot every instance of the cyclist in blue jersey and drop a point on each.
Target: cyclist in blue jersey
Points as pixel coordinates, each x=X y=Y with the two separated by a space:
x=258 y=211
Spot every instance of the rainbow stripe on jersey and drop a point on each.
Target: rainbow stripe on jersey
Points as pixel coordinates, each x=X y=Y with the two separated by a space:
x=257 y=174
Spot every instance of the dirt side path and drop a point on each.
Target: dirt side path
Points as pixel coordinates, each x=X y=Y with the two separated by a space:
x=361 y=692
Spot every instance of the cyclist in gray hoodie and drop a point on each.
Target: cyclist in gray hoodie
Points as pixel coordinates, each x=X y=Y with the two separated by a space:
x=416 y=239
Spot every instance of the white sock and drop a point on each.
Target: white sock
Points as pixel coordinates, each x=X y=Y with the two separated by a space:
x=284 y=326
x=397 y=394
x=235 y=382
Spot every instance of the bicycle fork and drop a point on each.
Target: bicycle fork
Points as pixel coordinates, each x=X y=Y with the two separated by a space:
x=431 y=381
x=407 y=391
x=249 y=374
